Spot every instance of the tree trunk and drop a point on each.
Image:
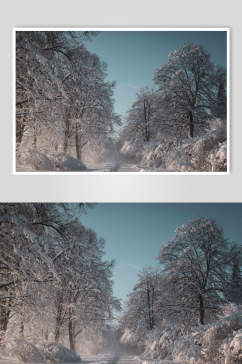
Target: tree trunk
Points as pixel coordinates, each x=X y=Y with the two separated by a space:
x=191 y=124
x=5 y=313
x=78 y=151
x=20 y=126
x=71 y=333
x=65 y=145
x=21 y=331
x=55 y=146
x=46 y=335
x=67 y=132
x=147 y=133
x=58 y=318
x=35 y=141
x=19 y=132
x=148 y=304
x=201 y=310
x=57 y=333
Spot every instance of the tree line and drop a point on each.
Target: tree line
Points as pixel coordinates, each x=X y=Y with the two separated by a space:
x=198 y=273
x=189 y=92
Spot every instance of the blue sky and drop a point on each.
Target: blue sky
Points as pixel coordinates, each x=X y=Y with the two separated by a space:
x=133 y=57
x=135 y=232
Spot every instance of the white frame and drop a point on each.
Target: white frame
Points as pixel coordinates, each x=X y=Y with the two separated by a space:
x=124 y=173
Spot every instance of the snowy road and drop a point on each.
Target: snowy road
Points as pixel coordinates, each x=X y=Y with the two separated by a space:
x=112 y=167
x=126 y=359
x=122 y=167
x=127 y=167
x=123 y=359
x=102 y=167
x=130 y=359
x=98 y=359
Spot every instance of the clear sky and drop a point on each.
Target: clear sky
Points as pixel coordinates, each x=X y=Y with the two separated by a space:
x=133 y=56
x=135 y=232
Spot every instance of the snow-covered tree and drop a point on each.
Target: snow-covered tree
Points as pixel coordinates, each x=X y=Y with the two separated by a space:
x=191 y=92
x=90 y=115
x=141 y=125
x=26 y=232
x=197 y=265
x=142 y=309
x=62 y=97
x=54 y=281
x=233 y=289
x=220 y=107
x=140 y=117
x=84 y=297
x=39 y=88
x=188 y=83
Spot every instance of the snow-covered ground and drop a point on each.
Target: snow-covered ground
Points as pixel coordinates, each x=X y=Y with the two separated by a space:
x=86 y=359
x=34 y=161
x=103 y=359
x=128 y=359
x=102 y=167
x=140 y=360
x=151 y=169
x=6 y=360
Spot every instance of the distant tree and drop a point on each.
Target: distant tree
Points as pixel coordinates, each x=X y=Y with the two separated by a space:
x=197 y=265
x=141 y=123
x=140 y=117
x=221 y=102
x=142 y=304
x=187 y=84
x=141 y=114
x=233 y=290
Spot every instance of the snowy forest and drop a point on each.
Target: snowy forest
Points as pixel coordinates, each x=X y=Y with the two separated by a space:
x=66 y=119
x=57 y=301
x=56 y=289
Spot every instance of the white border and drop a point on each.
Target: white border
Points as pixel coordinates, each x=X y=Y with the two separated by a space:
x=124 y=173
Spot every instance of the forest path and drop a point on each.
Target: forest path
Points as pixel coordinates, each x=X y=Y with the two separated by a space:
x=132 y=359
x=86 y=359
x=127 y=167
x=102 y=167
x=126 y=359
x=111 y=167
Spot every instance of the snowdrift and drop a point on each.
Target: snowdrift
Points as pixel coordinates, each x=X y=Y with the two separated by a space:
x=45 y=353
x=64 y=161
x=132 y=151
x=219 y=342
x=57 y=353
x=204 y=153
x=36 y=160
x=24 y=351
x=207 y=152
x=50 y=162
